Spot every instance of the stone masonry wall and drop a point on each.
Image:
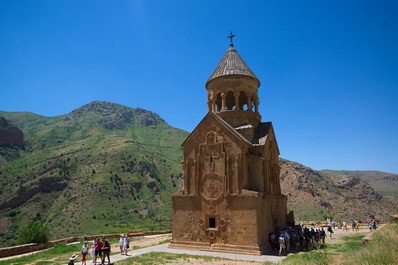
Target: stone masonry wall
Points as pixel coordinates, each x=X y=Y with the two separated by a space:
x=22 y=249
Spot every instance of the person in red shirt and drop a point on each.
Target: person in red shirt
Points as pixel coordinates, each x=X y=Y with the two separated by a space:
x=98 y=250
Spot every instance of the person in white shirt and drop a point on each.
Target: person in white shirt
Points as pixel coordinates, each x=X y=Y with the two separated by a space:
x=121 y=243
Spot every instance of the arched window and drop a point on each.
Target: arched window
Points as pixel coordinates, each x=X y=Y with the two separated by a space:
x=218 y=102
x=230 y=100
x=242 y=100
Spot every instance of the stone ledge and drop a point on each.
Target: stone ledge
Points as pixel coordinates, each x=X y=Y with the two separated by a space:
x=225 y=248
x=22 y=249
x=368 y=238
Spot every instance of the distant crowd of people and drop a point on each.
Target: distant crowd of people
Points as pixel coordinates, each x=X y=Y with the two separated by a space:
x=372 y=225
x=300 y=237
x=100 y=248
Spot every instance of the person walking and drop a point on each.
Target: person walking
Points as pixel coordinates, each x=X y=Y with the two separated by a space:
x=330 y=230
x=92 y=251
x=84 y=252
x=287 y=240
x=322 y=235
x=282 y=244
x=106 y=250
x=98 y=250
x=121 y=243
x=126 y=242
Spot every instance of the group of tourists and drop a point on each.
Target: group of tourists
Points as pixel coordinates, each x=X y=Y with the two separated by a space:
x=372 y=224
x=300 y=237
x=101 y=248
x=297 y=238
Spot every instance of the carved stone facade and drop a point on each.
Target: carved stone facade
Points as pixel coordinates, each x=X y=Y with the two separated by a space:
x=232 y=198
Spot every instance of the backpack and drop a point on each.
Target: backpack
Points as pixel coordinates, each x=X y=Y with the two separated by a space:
x=281 y=240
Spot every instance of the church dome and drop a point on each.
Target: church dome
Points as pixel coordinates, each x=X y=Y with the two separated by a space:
x=232 y=65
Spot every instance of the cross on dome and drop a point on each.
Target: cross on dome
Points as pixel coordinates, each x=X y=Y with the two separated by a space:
x=230 y=37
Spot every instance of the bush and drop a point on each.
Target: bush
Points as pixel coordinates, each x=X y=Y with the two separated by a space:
x=394 y=219
x=36 y=232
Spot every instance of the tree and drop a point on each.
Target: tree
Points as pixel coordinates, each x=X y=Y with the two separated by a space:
x=35 y=232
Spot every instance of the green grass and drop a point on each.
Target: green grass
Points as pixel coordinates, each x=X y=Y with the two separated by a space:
x=323 y=256
x=383 y=249
x=58 y=252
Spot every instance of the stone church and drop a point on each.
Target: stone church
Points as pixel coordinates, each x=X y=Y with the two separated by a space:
x=232 y=197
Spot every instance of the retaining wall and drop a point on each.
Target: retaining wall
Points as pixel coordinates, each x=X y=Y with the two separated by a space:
x=22 y=249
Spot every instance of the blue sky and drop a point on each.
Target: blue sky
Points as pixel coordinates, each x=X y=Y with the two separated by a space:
x=328 y=69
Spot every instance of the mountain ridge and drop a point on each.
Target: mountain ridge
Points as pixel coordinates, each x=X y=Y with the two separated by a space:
x=108 y=168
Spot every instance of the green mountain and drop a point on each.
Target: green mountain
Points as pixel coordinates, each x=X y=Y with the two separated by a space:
x=103 y=168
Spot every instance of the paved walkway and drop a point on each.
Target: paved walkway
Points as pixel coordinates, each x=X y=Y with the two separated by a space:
x=271 y=257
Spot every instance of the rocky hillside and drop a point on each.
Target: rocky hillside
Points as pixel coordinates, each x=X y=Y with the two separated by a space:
x=10 y=134
x=11 y=141
x=315 y=195
x=386 y=184
x=103 y=168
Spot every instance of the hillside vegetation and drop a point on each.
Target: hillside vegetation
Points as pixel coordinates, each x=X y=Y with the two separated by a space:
x=103 y=168
x=107 y=168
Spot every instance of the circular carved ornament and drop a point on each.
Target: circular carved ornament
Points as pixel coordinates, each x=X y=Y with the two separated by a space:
x=212 y=187
x=201 y=221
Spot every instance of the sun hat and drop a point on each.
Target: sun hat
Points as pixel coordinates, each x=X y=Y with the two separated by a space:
x=74 y=256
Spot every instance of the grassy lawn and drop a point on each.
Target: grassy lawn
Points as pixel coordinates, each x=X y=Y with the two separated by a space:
x=383 y=249
x=323 y=256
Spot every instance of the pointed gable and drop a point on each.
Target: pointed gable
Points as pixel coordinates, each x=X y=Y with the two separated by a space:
x=220 y=122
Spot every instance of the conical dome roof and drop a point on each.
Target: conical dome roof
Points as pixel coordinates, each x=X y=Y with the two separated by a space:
x=232 y=64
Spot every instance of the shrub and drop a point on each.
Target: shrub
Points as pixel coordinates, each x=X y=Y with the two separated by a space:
x=394 y=218
x=35 y=232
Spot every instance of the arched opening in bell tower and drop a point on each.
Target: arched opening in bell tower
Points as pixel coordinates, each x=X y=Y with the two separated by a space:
x=230 y=100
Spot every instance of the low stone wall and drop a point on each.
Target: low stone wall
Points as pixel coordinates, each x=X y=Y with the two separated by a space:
x=22 y=249
x=368 y=238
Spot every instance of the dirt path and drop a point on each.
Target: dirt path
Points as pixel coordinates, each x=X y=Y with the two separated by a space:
x=337 y=237
x=141 y=242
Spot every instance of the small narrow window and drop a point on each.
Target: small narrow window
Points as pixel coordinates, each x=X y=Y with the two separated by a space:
x=212 y=222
